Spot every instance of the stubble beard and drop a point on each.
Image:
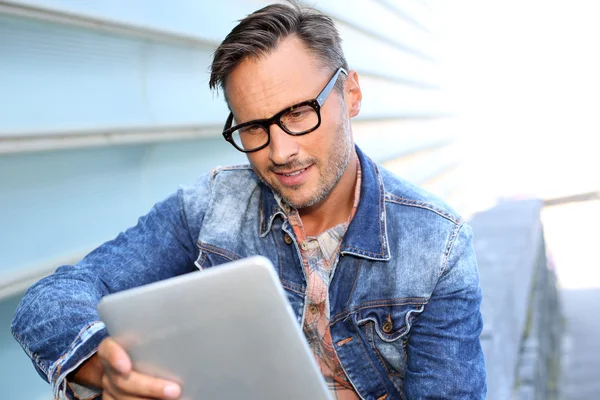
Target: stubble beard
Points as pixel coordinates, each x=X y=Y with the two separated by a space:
x=329 y=175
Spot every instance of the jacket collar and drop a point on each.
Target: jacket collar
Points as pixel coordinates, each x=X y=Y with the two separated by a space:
x=367 y=234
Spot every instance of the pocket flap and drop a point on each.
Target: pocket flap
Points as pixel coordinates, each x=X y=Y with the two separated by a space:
x=391 y=322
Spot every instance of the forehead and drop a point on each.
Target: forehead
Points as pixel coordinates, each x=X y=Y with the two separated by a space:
x=260 y=87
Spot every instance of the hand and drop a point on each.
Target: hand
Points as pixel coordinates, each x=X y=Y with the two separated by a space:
x=111 y=369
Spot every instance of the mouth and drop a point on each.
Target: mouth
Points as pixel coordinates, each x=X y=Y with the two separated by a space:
x=293 y=178
x=297 y=172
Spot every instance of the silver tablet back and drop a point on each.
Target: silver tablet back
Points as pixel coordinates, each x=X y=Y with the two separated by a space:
x=224 y=333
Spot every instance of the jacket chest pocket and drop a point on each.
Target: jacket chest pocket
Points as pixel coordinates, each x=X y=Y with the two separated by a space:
x=387 y=330
x=210 y=256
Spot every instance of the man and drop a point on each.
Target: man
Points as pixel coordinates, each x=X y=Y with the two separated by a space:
x=380 y=274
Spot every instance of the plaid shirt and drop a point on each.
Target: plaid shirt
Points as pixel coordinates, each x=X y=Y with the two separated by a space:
x=319 y=257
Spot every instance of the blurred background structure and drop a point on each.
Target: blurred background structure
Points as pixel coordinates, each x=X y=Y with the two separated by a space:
x=105 y=109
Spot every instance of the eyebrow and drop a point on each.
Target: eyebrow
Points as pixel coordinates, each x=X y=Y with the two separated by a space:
x=291 y=104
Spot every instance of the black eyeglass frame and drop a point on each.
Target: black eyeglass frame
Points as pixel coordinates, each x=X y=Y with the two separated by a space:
x=315 y=104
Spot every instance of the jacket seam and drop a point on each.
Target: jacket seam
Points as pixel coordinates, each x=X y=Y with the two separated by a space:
x=67 y=383
x=291 y=287
x=217 y=250
x=72 y=346
x=392 y=198
x=238 y=167
x=262 y=229
x=354 y=284
x=377 y=303
x=215 y=171
x=28 y=351
x=366 y=355
x=279 y=251
x=370 y=336
x=200 y=259
x=450 y=246
x=233 y=167
x=269 y=221
x=393 y=336
x=382 y=221
x=364 y=252
x=185 y=219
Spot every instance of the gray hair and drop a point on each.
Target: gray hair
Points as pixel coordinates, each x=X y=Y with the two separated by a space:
x=260 y=32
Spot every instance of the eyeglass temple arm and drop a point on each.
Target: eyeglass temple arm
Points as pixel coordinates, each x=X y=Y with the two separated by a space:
x=325 y=92
x=228 y=122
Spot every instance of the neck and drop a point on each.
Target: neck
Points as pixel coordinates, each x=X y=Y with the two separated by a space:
x=336 y=207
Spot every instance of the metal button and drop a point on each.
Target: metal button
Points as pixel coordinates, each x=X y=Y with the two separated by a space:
x=313 y=309
x=287 y=239
x=304 y=245
x=387 y=326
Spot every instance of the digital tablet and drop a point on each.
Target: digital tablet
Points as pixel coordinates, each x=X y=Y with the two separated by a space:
x=227 y=332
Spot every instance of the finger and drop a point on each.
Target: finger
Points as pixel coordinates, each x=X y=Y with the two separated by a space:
x=110 y=392
x=141 y=385
x=109 y=396
x=114 y=355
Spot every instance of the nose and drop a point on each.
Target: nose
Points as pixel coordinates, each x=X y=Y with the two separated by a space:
x=283 y=147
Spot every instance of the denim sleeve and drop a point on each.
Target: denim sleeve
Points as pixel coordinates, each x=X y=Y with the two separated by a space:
x=57 y=323
x=445 y=359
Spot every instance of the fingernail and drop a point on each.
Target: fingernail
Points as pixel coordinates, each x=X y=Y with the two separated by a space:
x=121 y=366
x=172 y=391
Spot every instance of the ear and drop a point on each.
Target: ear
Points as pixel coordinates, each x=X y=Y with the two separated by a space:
x=352 y=93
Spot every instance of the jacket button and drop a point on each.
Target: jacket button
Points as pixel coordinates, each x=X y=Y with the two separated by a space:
x=287 y=239
x=313 y=309
x=387 y=326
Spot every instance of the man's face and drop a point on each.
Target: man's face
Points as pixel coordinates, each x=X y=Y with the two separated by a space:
x=303 y=170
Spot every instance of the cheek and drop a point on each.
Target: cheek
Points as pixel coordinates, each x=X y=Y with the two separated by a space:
x=259 y=159
x=332 y=117
x=328 y=135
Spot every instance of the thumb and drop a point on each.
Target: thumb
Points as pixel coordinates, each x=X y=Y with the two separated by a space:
x=113 y=354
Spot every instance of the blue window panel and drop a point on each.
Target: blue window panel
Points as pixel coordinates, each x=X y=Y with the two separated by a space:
x=56 y=205
x=59 y=203
x=212 y=22
x=60 y=78
x=168 y=164
x=57 y=77
x=92 y=79
x=375 y=17
x=17 y=375
x=177 y=89
x=368 y=54
x=413 y=10
x=200 y=19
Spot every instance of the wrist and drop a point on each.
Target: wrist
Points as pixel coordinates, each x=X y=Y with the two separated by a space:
x=89 y=373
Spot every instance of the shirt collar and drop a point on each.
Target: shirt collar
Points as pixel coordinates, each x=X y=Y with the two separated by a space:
x=367 y=233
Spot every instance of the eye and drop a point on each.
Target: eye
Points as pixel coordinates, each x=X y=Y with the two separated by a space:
x=251 y=129
x=296 y=114
x=299 y=113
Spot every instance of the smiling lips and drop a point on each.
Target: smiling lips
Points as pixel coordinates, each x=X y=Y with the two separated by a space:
x=296 y=172
x=293 y=178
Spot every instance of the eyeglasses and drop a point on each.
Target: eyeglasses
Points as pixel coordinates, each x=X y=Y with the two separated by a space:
x=297 y=120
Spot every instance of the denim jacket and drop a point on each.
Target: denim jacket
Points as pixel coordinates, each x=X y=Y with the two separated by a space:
x=404 y=297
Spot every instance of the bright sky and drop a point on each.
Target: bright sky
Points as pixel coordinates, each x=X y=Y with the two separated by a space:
x=525 y=76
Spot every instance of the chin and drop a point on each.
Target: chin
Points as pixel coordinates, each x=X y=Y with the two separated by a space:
x=295 y=201
x=304 y=202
